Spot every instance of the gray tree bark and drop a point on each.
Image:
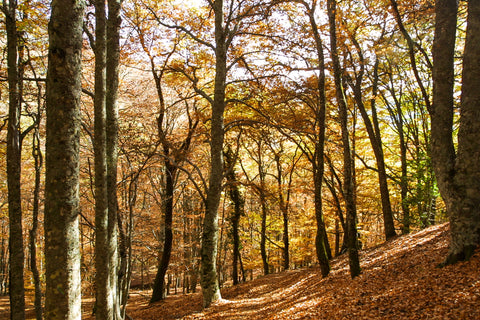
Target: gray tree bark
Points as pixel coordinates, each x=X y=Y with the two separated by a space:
x=117 y=255
x=103 y=294
x=458 y=173
x=208 y=270
x=62 y=252
x=16 y=253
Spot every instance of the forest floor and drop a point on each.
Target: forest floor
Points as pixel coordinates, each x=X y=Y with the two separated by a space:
x=399 y=280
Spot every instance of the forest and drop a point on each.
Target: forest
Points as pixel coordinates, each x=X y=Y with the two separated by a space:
x=172 y=147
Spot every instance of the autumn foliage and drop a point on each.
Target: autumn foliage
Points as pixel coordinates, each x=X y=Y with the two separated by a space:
x=250 y=145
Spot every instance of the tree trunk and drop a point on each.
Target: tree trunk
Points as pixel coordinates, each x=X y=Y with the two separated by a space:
x=62 y=254
x=264 y=209
x=103 y=293
x=374 y=135
x=396 y=114
x=284 y=204
x=318 y=161
x=411 y=53
x=458 y=175
x=16 y=277
x=38 y=159
x=208 y=271
x=118 y=283
x=238 y=202
x=349 y=191
x=159 y=284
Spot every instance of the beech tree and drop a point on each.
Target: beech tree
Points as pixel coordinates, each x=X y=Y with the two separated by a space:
x=373 y=130
x=457 y=170
x=16 y=277
x=348 y=167
x=117 y=251
x=238 y=202
x=104 y=296
x=320 y=109
x=62 y=251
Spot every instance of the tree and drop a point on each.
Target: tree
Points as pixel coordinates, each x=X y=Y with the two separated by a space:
x=16 y=278
x=62 y=255
x=348 y=175
x=238 y=202
x=104 y=296
x=284 y=181
x=174 y=154
x=321 y=240
x=374 y=134
x=458 y=173
x=38 y=163
x=227 y=26
x=117 y=251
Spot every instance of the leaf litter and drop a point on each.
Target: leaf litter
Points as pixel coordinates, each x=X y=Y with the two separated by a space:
x=400 y=280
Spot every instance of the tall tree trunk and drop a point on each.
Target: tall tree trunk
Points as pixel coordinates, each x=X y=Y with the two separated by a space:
x=374 y=135
x=62 y=254
x=321 y=241
x=16 y=277
x=458 y=175
x=349 y=191
x=38 y=159
x=406 y=221
x=104 y=294
x=465 y=215
x=283 y=204
x=208 y=272
x=118 y=277
x=397 y=116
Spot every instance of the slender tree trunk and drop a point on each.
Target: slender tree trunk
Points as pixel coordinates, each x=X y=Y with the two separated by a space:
x=284 y=203
x=238 y=202
x=104 y=295
x=397 y=117
x=264 y=210
x=284 y=209
x=374 y=135
x=38 y=159
x=411 y=53
x=321 y=241
x=159 y=284
x=208 y=272
x=62 y=254
x=16 y=277
x=349 y=192
x=117 y=258
x=406 y=221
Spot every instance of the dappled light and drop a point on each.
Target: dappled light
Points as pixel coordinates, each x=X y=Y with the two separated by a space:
x=399 y=280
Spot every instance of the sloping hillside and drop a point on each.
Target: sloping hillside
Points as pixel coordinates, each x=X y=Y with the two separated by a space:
x=399 y=281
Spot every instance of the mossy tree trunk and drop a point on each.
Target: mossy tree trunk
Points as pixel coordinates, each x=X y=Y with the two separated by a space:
x=62 y=251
